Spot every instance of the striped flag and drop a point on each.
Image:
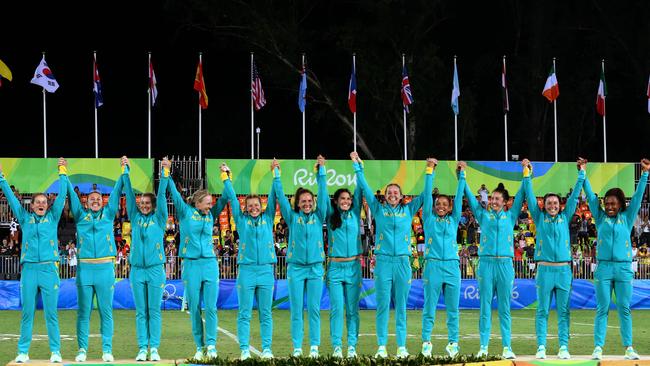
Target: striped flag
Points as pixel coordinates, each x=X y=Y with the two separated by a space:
x=256 y=89
x=97 y=85
x=602 y=93
x=551 y=88
x=199 y=86
x=153 y=90
x=302 y=90
x=407 y=96
x=648 y=92
x=455 y=92
x=352 y=91
x=504 y=88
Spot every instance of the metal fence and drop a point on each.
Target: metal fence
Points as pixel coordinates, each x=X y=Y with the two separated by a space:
x=583 y=268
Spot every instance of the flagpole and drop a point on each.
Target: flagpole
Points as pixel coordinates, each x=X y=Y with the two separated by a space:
x=555 y=114
x=96 y=132
x=354 y=115
x=303 y=112
x=149 y=111
x=455 y=125
x=404 y=114
x=505 y=114
x=44 y=122
x=604 y=115
x=252 y=112
x=200 y=124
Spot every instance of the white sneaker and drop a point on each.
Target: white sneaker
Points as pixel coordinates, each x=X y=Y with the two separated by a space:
x=142 y=355
x=630 y=354
x=426 y=349
x=108 y=357
x=482 y=352
x=381 y=352
x=541 y=352
x=452 y=349
x=338 y=352
x=508 y=354
x=199 y=354
x=22 y=358
x=211 y=352
x=597 y=354
x=402 y=352
x=267 y=354
x=352 y=352
x=153 y=355
x=563 y=353
x=313 y=352
x=55 y=357
x=81 y=355
x=245 y=355
x=297 y=352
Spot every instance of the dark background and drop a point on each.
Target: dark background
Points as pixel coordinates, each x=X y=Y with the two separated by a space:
x=530 y=33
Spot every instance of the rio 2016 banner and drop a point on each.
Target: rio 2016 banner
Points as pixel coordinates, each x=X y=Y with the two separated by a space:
x=31 y=175
x=254 y=176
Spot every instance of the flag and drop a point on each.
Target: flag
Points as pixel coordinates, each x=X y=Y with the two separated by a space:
x=407 y=96
x=4 y=72
x=551 y=88
x=352 y=91
x=648 y=92
x=256 y=89
x=302 y=92
x=602 y=93
x=97 y=86
x=199 y=86
x=455 y=92
x=504 y=89
x=44 y=77
x=153 y=90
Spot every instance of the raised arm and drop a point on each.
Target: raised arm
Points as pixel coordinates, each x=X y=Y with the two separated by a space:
x=416 y=203
x=114 y=198
x=592 y=200
x=427 y=199
x=527 y=185
x=323 y=199
x=457 y=211
x=59 y=202
x=177 y=199
x=270 y=205
x=572 y=201
x=229 y=193
x=357 y=201
x=474 y=205
x=75 y=205
x=285 y=205
x=131 y=206
x=517 y=204
x=635 y=203
x=368 y=193
x=15 y=205
x=161 y=198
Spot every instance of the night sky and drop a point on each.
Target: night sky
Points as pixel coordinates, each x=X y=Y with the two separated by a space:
x=429 y=32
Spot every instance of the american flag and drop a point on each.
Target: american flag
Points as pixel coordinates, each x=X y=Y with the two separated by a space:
x=407 y=97
x=256 y=89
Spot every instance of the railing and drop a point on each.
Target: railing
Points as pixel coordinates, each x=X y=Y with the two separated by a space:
x=583 y=268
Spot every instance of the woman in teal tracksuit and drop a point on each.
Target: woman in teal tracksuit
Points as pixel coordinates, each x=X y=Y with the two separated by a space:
x=96 y=270
x=553 y=255
x=344 y=268
x=495 y=270
x=392 y=253
x=256 y=258
x=200 y=272
x=614 y=255
x=305 y=255
x=147 y=258
x=441 y=262
x=39 y=259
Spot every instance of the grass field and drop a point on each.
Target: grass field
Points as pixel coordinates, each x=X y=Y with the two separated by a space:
x=177 y=339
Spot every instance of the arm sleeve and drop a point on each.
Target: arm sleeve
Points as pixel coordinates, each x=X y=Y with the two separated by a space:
x=594 y=204
x=533 y=208
x=161 y=199
x=572 y=201
x=15 y=205
x=285 y=205
x=374 y=205
x=219 y=206
x=270 y=205
x=458 y=200
x=75 y=204
x=357 y=201
x=229 y=193
x=131 y=207
x=323 y=196
x=517 y=204
x=416 y=203
x=476 y=207
x=427 y=199
x=177 y=199
x=59 y=202
x=114 y=198
x=635 y=203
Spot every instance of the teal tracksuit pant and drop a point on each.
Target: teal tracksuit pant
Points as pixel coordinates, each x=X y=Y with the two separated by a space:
x=441 y=275
x=147 y=284
x=552 y=280
x=305 y=278
x=392 y=280
x=201 y=280
x=344 y=287
x=255 y=282
x=495 y=276
x=615 y=276
x=95 y=279
x=43 y=278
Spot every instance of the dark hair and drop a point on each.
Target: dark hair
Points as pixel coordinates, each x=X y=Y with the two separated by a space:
x=504 y=192
x=394 y=185
x=152 y=198
x=335 y=219
x=254 y=197
x=296 y=197
x=620 y=196
x=437 y=197
x=549 y=195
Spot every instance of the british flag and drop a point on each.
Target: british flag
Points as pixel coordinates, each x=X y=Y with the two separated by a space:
x=407 y=97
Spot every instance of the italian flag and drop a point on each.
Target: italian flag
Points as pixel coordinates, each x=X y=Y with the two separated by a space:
x=602 y=92
x=551 y=89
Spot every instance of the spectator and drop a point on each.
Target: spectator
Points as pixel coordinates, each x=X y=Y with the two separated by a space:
x=583 y=231
x=483 y=193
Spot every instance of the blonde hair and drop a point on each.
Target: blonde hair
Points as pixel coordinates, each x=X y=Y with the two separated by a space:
x=199 y=195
